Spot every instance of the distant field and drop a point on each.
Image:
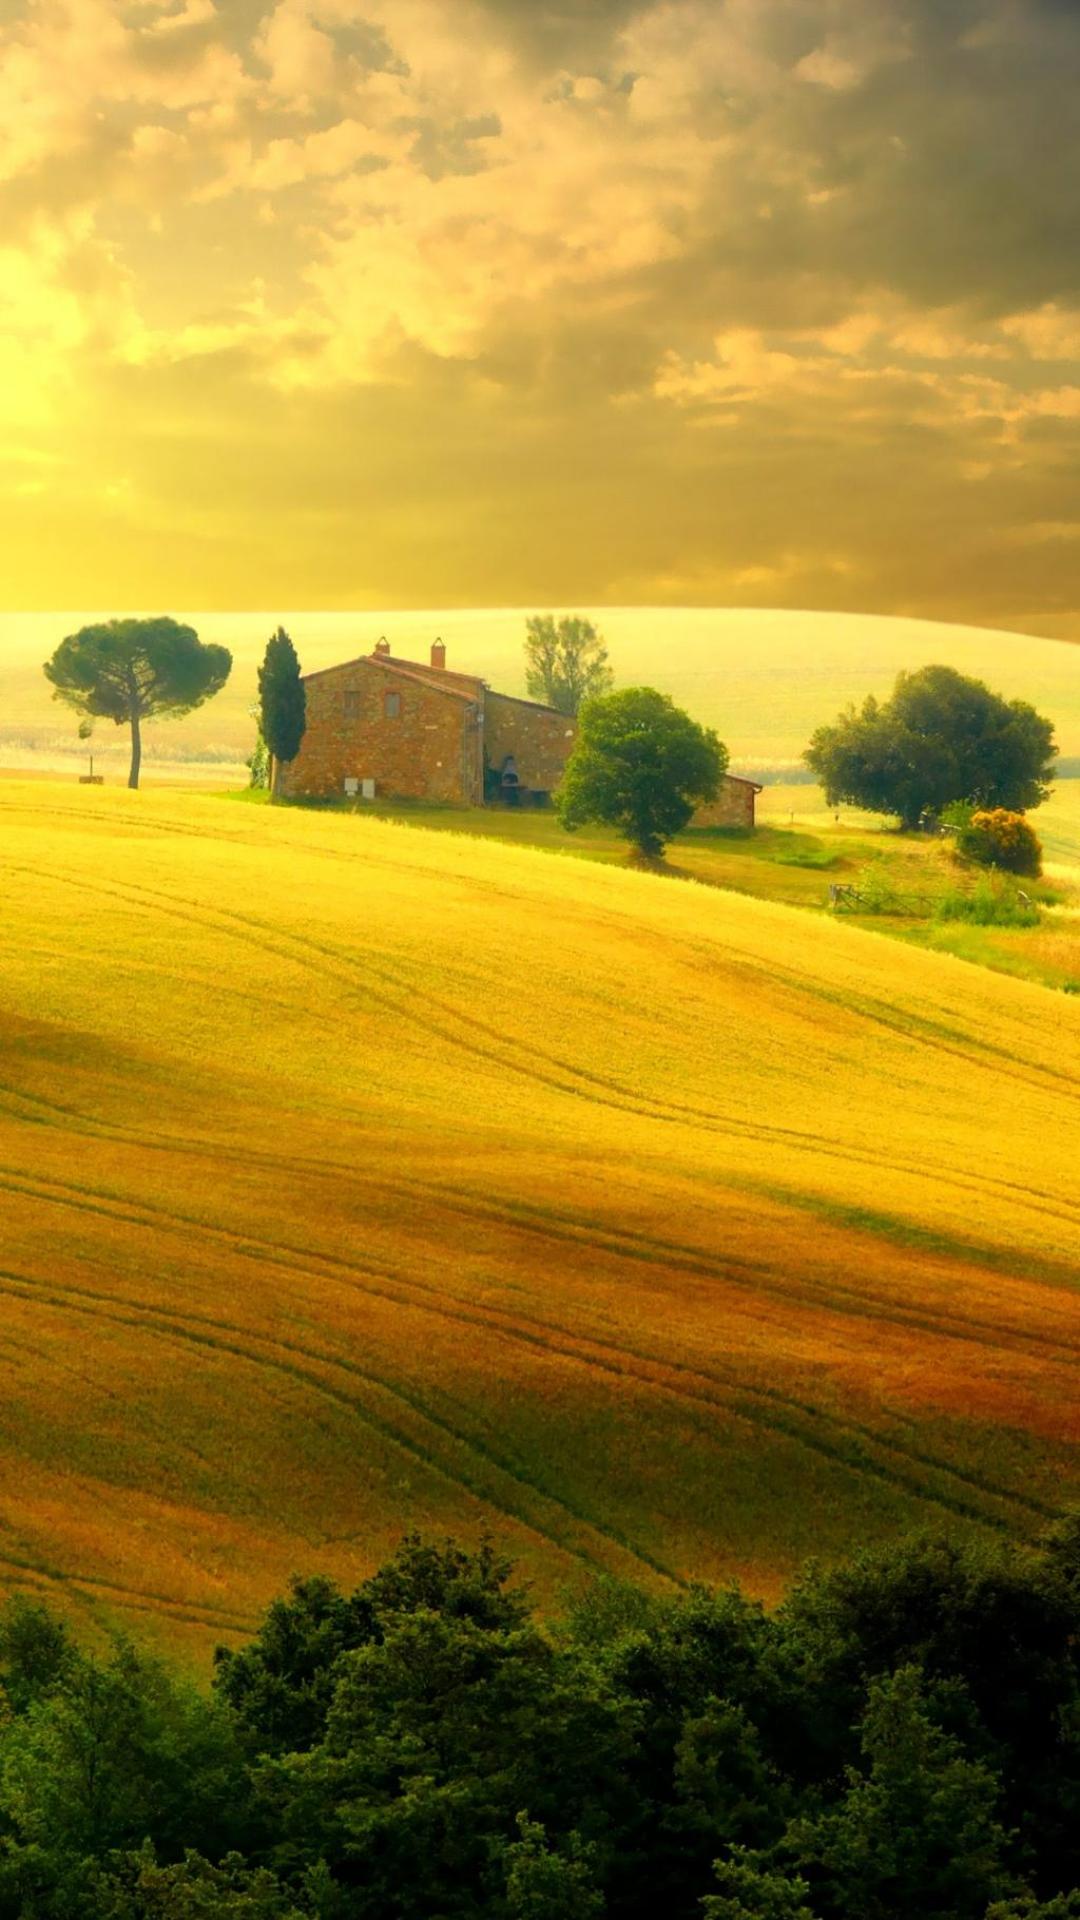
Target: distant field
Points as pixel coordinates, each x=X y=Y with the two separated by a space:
x=764 y=679
x=1058 y=823
x=353 y=1177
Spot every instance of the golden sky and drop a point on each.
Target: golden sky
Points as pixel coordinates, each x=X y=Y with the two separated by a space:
x=463 y=302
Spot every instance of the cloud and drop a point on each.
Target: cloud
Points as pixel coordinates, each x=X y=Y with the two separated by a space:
x=702 y=297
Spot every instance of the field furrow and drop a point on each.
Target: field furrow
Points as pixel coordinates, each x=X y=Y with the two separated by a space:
x=353 y=1177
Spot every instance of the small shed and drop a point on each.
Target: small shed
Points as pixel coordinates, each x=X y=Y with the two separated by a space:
x=735 y=804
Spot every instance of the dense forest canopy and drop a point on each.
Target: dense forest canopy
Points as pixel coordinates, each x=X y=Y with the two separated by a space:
x=900 y=1738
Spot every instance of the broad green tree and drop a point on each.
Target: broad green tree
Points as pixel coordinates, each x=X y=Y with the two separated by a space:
x=1065 y=1906
x=128 y=670
x=898 y=1740
x=113 y=1753
x=750 y=1889
x=136 y=1887
x=1004 y=1629
x=281 y=1684
x=282 y=702
x=916 y=1832
x=36 y=1652
x=543 y=1883
x=566 y=661
x=941 y=738
x=641 y=765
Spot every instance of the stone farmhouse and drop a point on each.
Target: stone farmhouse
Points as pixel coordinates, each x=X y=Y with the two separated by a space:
x=384 y=728
x=390 y=729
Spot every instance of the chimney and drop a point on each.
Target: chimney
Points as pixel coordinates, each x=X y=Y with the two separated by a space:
x=438 y=653
x=382 y=646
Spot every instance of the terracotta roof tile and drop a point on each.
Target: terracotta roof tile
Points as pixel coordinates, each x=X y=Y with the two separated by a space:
x=469 y=686
x=435 y=677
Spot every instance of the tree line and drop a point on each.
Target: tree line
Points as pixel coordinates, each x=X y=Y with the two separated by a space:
x=898 y=1740
x=943 y=741
x=639 y=763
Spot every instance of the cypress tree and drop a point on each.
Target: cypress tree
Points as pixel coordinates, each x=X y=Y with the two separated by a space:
x=282 y=702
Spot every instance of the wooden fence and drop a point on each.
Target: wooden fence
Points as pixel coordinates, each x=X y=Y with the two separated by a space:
x=848 y=899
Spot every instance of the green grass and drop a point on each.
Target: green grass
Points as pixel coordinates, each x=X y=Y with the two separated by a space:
x=989 y=903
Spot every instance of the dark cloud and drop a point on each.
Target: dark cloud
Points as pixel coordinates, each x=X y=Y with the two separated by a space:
x=365 y=43
x=951 y=174
x=441 y=150
x=563 y=33
x=960 y=171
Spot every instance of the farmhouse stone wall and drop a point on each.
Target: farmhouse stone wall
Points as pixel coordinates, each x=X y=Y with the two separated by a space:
x=539 y=739
x=733 y=806
x=423 y=732
x=428 y=750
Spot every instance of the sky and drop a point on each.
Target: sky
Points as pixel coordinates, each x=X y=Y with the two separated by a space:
x=506 y=303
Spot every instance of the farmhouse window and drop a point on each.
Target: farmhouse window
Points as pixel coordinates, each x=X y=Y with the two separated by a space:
x=352 y=703
x=391 y=705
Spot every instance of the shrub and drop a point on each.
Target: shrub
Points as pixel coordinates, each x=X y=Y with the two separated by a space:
x=998 y=838
x=258 y=762
x=877 y=894
x=957 y=814
x=989 y=903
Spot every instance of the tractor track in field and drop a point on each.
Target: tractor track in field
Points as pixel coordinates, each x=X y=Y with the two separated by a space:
x=344 y=969
x=939 y=1244
x=95 y=1593
x=730 y=1395
x=143 y=1599
x=935 y=1035
x=583 y=1232
x=911 y=1026
x=57 y=1364
x=209 y=1332
x=752 y=1276
x=611 y=1091
x=562 y=1076
x=667 y=1256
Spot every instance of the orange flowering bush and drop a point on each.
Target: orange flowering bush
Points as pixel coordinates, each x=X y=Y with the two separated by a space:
x=998 y=838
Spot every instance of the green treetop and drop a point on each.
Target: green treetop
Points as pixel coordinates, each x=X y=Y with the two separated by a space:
x=639 y=764
x=127 y=670
x=282 y=700
x=566 y=661
x=941 y=738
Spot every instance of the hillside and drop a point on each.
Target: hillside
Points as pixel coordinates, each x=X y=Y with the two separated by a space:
x=764 y=678
x=906 y=876
x=352 y=1176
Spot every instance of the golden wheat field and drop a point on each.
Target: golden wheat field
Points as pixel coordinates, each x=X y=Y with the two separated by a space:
x=355 y=1177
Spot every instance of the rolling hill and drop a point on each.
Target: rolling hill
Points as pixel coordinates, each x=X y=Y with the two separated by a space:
x=764 y=677
x=353 y=1177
